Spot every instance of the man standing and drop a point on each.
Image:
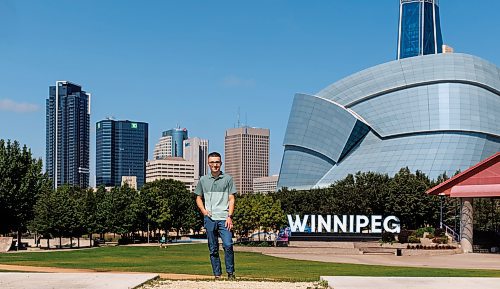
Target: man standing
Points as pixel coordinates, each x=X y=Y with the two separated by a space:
x=215 y=199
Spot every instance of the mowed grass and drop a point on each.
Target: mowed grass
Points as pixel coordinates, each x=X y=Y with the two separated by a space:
x=194 y=259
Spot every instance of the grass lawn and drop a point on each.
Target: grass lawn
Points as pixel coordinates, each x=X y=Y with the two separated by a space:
x=193 y=259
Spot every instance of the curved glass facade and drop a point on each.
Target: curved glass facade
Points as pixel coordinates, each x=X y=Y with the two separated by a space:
x=179 y=135
x=435 y=113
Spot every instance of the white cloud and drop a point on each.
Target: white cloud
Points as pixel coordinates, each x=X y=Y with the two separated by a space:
x=235 y=81
x=10 y=105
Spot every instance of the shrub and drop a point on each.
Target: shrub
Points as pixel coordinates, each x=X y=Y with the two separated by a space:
x=439 y=232
x=387 y=237
x=440 y=240
x=420 y=231
x=413 y=239
x=403 y=236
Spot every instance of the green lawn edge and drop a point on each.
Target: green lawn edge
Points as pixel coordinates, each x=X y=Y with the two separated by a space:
x=194 y=259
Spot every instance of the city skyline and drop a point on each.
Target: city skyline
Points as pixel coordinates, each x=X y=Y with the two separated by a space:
x=199 y=65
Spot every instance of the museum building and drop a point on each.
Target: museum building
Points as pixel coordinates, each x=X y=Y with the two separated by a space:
x=428 y=110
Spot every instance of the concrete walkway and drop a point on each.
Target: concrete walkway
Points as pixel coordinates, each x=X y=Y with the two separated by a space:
x=346 y=282
x=457 y=261
x=72 y=280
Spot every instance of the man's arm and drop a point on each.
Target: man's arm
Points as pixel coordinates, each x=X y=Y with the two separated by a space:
x=229 y=221
x=201 y=206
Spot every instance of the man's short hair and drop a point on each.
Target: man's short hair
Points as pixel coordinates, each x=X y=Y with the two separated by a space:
x=214 y=154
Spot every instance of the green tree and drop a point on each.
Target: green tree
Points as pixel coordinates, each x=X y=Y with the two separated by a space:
x=21 y=183
x=245 y=217
x=124 y=209
x=258 y=211
x=182 y=207
x=155 y=205
x=90 y=223
x=103 y=210
x=42 y=222
x=271 y=215
x=60 y=213
x=408 y=200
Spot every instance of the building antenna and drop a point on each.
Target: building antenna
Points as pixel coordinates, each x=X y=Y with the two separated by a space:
x=239 y=117
x=246 y=121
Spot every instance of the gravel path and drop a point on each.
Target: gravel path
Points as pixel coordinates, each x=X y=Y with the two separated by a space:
x=170 y=284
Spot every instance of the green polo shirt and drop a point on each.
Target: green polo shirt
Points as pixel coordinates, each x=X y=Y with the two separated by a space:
x=215 y=192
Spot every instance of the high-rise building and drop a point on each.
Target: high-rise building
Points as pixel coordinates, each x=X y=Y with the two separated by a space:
x=419 y=30
x=196 y=151
x=67 y=135
x=121 y=150
x=265 y=184
x=174 y=168
x=246 y=153
x=170 y=144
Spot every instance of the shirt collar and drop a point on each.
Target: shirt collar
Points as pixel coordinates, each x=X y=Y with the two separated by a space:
x=219 y=177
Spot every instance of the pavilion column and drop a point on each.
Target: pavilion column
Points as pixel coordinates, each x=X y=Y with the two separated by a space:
x=466 y=224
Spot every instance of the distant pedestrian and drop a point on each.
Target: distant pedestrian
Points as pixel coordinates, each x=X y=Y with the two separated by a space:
x=215 y=198
x=163 y=241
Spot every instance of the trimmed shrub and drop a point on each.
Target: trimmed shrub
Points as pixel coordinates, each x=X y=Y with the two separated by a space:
x=440 y=240
x=420 y=231
x=413 y=239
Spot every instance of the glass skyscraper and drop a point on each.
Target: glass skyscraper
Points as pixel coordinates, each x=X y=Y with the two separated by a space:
x=67 y=135
x=121 y=150
x=177 y=136
x=419 y=30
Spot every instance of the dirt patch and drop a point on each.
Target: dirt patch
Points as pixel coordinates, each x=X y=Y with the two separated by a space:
x=177 y=284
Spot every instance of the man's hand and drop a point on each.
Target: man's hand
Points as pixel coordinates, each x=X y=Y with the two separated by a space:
x=206 y=213
x=229 y=223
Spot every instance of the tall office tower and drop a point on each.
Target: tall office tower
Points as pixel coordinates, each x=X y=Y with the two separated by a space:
x=67 y=135
x=196 y=151
x=419 y=30
x=170 y=144
x=246 y=151
x=121 y=151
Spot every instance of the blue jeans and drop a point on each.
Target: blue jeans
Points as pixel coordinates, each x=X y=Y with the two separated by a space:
x=216 y=228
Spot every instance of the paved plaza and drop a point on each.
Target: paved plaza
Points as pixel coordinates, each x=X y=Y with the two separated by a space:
x=348 y=282
x=38 y=277
x=20 y=280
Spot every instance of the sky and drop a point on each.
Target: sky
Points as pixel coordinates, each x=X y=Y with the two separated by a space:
x=200 y=64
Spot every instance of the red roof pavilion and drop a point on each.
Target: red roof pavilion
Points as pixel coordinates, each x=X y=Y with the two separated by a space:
x=479 y=181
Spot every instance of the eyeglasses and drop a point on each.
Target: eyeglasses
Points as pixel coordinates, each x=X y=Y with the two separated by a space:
x=214 y=163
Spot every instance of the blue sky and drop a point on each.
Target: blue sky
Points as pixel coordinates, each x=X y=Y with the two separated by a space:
x=196 y=63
